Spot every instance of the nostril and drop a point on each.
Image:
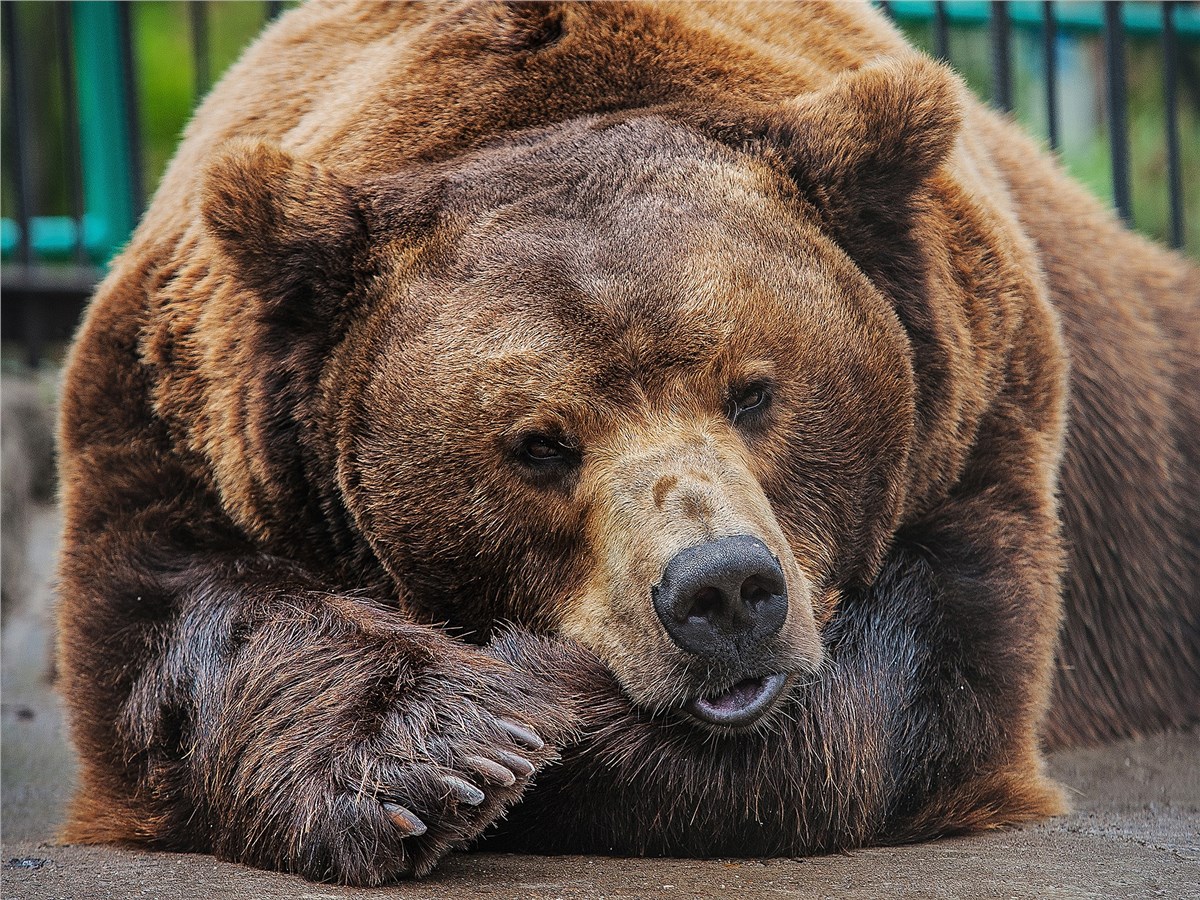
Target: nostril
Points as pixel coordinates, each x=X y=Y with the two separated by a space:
x=705 y=603
x=756 y=592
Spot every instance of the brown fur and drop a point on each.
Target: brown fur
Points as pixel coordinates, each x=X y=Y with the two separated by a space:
x=397 y=241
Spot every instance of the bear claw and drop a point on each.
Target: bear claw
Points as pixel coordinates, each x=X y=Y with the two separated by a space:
x=463 y=791
x=521 y=734
x=519 y=764
x=492 y=771
x=405 y=819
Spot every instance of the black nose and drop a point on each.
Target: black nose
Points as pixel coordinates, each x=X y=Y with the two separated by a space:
x=723 y=598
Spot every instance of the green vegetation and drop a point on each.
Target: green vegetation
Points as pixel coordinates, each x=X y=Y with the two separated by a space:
x=1085 y=150
x=167 y=77
x=167 y=88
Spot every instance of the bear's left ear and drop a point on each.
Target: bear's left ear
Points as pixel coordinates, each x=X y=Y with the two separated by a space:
x=872 y=137
x=864 y=143
x=291 y=229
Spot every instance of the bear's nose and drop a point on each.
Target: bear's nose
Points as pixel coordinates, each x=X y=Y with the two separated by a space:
x=723 y=598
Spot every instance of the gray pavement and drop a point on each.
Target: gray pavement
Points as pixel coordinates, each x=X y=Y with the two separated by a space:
x=1134 y=831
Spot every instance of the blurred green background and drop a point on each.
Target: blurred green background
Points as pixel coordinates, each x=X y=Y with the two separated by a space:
x=1083 y=122
x=169 y=81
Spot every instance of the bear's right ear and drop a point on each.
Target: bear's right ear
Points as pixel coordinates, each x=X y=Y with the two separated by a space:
x=288 y=225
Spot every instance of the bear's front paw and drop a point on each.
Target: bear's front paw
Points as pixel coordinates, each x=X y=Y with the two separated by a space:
x=497 y=769
x=393 y=759
x=455 y=783
x=447 y=760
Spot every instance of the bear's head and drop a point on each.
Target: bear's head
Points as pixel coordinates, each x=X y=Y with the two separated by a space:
x=645 y=379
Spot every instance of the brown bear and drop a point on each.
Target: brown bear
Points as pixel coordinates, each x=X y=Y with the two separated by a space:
x=707 y=397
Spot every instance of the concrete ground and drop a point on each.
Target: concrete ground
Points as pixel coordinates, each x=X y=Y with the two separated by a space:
x=1135 y=831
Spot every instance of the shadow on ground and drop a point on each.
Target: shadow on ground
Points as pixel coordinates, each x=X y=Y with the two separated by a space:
x=1134 y=832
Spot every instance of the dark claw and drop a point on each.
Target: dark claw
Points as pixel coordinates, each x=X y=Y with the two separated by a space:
x=518 y=764
x=492 y=771
x=521 y=734
x=463 y=791
x=405 y=819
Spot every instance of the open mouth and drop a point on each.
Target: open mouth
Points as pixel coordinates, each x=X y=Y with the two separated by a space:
x=741 y=705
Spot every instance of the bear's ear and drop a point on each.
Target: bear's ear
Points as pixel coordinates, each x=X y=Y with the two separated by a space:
x=863 y=144
x=288 y=225
x=872 y=137
x=860 y=151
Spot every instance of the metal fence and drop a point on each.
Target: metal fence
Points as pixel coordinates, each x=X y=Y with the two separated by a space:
x=75 y=74
x=1114 y=19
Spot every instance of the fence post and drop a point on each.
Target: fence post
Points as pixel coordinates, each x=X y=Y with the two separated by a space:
x=998 y=25
x=109 y=169
x=22 y=184
x=1170 y=99
x=1050 y=70
x=1114 y=95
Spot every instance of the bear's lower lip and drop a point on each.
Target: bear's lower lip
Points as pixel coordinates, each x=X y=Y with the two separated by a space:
x=743 y=704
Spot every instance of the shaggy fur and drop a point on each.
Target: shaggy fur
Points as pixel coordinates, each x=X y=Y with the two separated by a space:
x=322 y=611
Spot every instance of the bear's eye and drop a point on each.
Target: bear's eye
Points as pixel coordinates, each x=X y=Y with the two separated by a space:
x=541 y=449
x=749 y=401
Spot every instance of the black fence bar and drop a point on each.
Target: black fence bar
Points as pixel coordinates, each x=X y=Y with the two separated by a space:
x=198 y=16
x=66 y=59
x=1170 y=100
x=43 y=304
x=1114 y=93
x=1050 y=70
x=1001 y=39
x=941 y=31
x=22 y=185
x=29 y=316
x=274 y=8
x=133 y=130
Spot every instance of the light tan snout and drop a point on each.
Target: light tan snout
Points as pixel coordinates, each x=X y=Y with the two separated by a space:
x=695 y=587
